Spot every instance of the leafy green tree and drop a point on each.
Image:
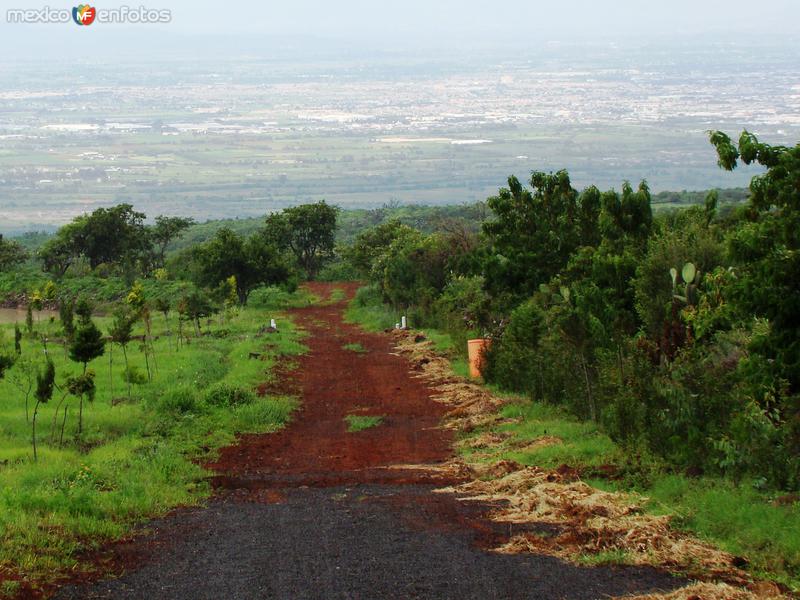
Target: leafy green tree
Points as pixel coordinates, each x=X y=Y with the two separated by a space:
x=87 y=345
x=61 y=251
x=308 y=231
x=253 y=262
x=532 y=232
x=194 y=306
x=374 y=242
x=678 y=239
x=29 y=318
x=6 y=362
x=162 y=305
x=415 y=270
x=115 y=236
x=66 y=314
x=45 y=382
x=766 y=250
x=164 y=232
x=121 y=332
x=82 y=387
x=84 y=308
x=11 y=254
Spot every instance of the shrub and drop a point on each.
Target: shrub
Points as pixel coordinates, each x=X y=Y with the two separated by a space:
x=180 y=400
x=225 y=394
x=134 y=376
x=269 y=297
x=511 y=361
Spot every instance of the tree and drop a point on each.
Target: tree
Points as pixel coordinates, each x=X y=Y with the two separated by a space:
x=533 y=232
x=66 y=314
x=415 y=269
x=11 y=254
x=60 y=251
x=116 y=236
x=165 y=231
x=121 y=333
x=308 y=231
x=17 y=339
x=87 y=345
x=82 y=387
x=24 y=378
x=6 y=362
x=370 y=244
x=253 y=262
x=766 y=249
x=162 y=305
x=44 y=392
x=140 y=305
x=194 y=306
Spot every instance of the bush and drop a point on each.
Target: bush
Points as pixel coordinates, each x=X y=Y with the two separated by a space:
x=225 y=394
x=511 y=361
x=269 y=297
x=180 y=400
x=687 y=239
x=134 y=376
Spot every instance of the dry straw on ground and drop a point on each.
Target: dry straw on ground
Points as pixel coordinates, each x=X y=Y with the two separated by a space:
x=588 y=521
x=714 y=591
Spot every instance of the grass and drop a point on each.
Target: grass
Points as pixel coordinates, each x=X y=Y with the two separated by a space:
x=136 y=459
x=337 y=295
x=356 y=347
x=369 y=312
x=357 y=423
x=735 y=517
x=579 y=443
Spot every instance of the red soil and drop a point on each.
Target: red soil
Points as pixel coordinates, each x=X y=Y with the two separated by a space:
x=316 y=449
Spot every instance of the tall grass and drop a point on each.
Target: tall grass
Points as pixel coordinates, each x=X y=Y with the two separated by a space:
x=136 y=459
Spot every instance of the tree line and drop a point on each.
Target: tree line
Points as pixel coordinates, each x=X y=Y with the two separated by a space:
x=115 y=244
x=678 y=332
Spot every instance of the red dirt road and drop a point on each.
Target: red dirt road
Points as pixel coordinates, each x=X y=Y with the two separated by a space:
x=316 y=449
x=315 y=511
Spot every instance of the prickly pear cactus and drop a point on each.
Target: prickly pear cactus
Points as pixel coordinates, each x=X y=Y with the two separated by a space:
x=688 y=273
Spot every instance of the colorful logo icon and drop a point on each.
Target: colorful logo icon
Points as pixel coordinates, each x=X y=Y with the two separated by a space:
x=84 y=14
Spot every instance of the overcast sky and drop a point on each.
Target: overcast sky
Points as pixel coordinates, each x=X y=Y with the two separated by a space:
x=361 y=23
x=515 y=17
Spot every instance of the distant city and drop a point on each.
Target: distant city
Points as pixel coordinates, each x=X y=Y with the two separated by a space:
x=246 y=136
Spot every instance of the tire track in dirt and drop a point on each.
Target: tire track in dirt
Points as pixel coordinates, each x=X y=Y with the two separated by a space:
x=315 y=511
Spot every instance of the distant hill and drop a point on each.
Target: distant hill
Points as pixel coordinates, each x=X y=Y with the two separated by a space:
x=424 y=218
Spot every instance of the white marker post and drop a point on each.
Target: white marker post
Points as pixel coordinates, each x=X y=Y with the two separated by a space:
x=403 y=323
x=273 y=324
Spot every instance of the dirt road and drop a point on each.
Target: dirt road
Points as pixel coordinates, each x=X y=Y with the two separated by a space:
x=317 y=511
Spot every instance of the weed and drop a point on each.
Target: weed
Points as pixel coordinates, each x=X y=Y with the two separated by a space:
x=361 y=422
x=357 y=348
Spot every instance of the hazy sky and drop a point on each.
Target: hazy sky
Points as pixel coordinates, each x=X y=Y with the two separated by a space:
x=390 y=19
x=514 y=17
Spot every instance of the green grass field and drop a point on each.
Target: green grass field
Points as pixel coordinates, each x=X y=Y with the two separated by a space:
x=136 y=458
